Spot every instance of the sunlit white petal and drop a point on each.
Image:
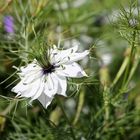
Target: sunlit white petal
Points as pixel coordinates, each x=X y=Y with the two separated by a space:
x=77 y=56
x=45 y=100
x=40 y=90
x=62 y=85
x=30 y=67
x=50 y=92
x=61 y=56
x=29 y=78
x=72 y=70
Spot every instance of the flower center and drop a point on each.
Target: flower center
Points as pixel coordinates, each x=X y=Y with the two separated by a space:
x=49 y=69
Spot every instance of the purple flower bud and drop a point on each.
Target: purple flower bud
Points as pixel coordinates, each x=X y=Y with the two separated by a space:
x=9 y=24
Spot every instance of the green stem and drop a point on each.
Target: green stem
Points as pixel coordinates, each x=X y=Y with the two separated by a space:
x=133 y=61
x=136 y=62
x=67 y=119
x=121 y=71
x=131 y=58
x=106 y=103
x=79 y=108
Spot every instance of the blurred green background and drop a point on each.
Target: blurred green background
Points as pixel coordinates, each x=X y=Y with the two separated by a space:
x=95 y=109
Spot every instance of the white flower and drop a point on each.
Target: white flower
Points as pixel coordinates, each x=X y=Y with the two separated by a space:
x=43 y=83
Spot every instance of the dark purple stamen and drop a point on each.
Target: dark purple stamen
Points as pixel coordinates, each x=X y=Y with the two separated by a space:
x=50 y=69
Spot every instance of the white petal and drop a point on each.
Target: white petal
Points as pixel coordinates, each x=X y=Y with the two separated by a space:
x=30 y=67
x=79 y=56
x=27 y=90
x=29 y=78
x=34 y=89
x=72 y=70
x=70 y=50
x=40 y=90
x=45 y=100
x=62 y=55
x=50 y=82
x=62 y=85
x=20 y=88
x=74 y=57
x=50 y=92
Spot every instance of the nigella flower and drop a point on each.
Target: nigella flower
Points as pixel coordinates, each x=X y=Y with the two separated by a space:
x=9 y=24
x=43 y=82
